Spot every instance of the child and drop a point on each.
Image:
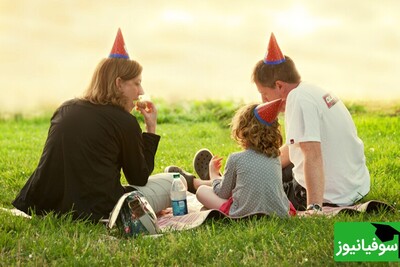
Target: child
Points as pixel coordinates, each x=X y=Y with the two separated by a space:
x=252 y=181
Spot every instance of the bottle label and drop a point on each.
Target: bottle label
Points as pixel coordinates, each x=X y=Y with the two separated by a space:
x=179 y=207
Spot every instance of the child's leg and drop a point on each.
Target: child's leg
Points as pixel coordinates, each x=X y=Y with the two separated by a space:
x=206 y=196
x=197 y=183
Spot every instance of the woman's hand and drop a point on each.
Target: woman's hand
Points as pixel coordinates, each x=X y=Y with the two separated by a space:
x=214 y=167
x=149 y=113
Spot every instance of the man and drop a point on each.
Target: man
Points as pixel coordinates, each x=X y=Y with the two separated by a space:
x=321 y=138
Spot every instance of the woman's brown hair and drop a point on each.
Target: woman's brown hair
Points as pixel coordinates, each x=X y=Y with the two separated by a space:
x=251 y=133
x=103 y=89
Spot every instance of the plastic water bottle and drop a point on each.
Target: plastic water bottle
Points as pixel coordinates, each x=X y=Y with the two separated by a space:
x=178 y=196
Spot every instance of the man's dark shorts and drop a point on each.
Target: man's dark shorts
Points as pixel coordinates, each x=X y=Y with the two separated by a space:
x=294 y=191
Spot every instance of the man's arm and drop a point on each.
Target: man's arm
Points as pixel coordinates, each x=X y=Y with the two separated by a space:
x=285 y=161
x=313 y=172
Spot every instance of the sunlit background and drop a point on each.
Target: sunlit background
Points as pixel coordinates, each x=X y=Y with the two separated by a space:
x=196 y=49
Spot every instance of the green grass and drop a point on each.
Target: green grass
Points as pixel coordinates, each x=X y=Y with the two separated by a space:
x=51 y=241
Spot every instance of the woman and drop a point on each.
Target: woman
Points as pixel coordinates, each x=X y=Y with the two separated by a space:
x=90 y=140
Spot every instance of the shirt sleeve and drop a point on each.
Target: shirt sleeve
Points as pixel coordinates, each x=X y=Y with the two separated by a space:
x=138 y=154
x=302 y=120
x=224 y=187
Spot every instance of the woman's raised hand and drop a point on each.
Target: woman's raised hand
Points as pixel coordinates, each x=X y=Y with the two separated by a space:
x=149 y=113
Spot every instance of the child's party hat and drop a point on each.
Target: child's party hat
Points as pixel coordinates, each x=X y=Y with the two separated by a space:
x=267 y=112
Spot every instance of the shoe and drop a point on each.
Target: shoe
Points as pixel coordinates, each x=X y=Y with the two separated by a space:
x=188 y=177
x=200 y=163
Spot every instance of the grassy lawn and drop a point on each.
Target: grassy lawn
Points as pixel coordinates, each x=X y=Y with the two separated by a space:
x=184 y=129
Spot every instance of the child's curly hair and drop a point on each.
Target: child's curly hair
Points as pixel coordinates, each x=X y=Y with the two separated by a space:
x=251 y=133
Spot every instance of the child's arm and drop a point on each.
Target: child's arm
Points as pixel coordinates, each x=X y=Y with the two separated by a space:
x=214 y=167
x=223 y=187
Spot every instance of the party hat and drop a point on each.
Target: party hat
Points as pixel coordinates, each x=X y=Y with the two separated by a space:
x=267 y=113
x=119 y=50
x=274 y=54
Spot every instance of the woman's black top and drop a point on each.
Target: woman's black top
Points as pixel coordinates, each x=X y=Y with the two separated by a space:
x=80 y=167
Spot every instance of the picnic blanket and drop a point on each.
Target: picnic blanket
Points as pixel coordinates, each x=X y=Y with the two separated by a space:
x=197 y=214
